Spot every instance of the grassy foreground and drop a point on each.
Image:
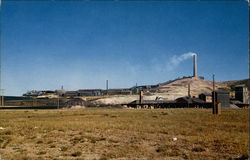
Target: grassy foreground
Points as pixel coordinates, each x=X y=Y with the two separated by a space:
x=123 y=134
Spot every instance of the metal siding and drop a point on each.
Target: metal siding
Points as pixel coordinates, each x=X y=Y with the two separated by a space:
x=223 y=98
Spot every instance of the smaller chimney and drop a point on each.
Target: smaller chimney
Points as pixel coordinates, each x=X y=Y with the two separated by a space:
x=189 y=93
x=141 y=97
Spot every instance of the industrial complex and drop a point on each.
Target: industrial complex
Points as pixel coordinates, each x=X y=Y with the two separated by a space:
x=192 y=91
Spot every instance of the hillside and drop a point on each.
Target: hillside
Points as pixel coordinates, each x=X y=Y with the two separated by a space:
x=168 y=91
x=179 y=88
x=175 y=89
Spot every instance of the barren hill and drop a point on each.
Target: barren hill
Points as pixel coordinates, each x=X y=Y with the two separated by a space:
x=179 y=88
x=168 y=91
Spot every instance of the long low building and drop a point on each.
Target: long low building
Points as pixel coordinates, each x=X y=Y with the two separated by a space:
x=90 y=92
x=120 y=91
x=98 y=92
x=183 y=102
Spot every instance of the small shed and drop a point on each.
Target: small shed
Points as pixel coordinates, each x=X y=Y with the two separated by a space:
x=222 y=97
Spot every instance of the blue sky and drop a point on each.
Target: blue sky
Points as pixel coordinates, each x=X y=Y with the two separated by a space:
x=82 y=44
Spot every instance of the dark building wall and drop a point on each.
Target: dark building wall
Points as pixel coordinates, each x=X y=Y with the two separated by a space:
x=222 y=97
x=241 y=94
x=16 y=98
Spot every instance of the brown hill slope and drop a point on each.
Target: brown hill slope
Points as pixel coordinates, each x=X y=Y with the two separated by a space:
x=179 y=88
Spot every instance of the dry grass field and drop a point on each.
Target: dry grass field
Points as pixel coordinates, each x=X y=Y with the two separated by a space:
x=123 y=134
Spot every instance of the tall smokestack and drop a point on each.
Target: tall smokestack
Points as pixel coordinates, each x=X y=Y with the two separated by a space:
x=195 y=65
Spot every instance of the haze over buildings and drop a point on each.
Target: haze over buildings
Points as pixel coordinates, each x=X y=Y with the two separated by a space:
x=82 y=44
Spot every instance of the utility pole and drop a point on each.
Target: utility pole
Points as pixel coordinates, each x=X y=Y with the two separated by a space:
x=2 y=97
x=215 y=111
x=189 y=93
x=58 y=101
x=213 y=83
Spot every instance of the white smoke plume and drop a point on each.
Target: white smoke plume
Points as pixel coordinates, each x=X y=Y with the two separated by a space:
x=176 y=60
